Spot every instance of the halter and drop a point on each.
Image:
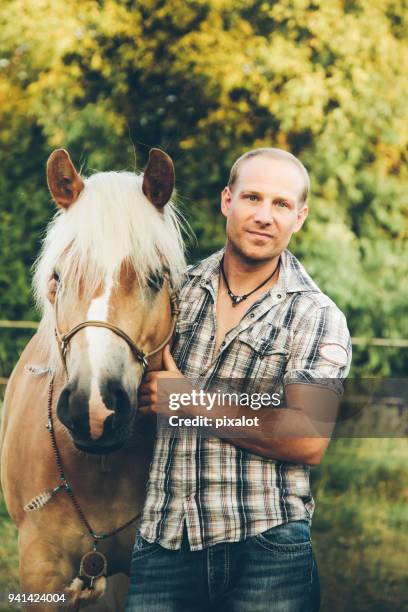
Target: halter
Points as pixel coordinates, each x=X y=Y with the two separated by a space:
x=63 y=340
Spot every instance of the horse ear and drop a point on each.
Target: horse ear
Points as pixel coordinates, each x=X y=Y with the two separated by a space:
x=64 y=182
x=158 y=180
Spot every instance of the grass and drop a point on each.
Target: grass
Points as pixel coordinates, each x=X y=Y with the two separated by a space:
x=360 y=528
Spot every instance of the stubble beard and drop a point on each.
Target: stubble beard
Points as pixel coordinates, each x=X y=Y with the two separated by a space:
x=253 y=258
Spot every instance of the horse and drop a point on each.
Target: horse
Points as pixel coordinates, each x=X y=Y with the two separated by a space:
x=75 y=452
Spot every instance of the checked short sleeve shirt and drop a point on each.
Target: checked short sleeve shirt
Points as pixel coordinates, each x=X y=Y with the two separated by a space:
x=220 y=492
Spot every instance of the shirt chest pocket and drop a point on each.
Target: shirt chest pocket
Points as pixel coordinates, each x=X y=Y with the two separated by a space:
x=264 y=353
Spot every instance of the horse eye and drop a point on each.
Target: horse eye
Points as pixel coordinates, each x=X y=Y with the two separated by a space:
x=155 y=281
x=56 y=276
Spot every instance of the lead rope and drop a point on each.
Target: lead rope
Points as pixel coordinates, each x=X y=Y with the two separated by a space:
x=93 y=564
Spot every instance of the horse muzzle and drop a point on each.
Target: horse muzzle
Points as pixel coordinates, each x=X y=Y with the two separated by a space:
x=98 y=420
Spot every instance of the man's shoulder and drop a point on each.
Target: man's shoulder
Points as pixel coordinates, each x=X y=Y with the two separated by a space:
x=322 y=343
x=318 y=299
x=300 y=282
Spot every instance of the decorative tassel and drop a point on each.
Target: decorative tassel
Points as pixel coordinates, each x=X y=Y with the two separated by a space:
x=43 y=498
x=38 y=501
x=38 y=370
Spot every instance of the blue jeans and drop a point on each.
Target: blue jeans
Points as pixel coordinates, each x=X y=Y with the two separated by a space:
x=274 y=571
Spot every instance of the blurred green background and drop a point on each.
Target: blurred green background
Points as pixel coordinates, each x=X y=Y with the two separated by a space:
x=207 y=80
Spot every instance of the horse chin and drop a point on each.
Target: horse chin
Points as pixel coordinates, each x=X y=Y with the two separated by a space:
x=93 y=449
x=108 y=443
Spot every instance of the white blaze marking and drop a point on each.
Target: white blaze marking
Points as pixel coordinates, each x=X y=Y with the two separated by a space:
x=98 y=340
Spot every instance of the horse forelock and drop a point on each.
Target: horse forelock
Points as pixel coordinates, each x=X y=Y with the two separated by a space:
x=111 y=222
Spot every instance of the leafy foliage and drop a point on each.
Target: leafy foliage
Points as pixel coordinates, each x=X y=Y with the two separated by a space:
x=207 y=80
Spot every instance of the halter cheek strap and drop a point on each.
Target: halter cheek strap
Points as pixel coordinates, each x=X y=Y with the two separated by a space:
x=63 y=340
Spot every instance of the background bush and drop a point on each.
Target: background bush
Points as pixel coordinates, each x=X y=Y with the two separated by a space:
x=207 y=80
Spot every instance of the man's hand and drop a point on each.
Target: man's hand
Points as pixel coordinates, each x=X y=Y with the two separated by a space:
x=154 y=397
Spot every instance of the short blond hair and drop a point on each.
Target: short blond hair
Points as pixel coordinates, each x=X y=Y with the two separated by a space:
x=274 y=153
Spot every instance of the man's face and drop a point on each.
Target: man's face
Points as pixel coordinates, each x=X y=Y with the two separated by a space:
x=262 y=209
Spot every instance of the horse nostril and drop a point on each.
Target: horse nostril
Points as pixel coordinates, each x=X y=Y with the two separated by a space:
x=72 y=410
x=63 y=409
x=117 y=399
x=122 y=401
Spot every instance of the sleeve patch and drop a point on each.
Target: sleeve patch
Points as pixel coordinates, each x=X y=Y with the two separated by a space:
x=335 y=353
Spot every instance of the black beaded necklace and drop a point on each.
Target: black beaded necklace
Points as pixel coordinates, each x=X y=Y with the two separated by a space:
x=236 y=299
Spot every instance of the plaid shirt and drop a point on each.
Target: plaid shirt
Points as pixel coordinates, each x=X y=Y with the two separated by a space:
x=221 y=492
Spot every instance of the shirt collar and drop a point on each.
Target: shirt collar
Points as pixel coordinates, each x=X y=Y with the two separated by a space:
x=293 y=277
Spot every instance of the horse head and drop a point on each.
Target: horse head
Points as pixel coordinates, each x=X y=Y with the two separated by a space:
x=110 y=262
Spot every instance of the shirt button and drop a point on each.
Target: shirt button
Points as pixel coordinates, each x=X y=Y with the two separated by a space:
x=279 y=296
x=223 y=343
x=211 y=337
x=252 y=315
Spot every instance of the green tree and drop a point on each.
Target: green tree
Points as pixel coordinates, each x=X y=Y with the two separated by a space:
x=207 y=80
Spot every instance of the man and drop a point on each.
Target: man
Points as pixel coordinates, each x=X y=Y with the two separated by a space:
x=226 y=524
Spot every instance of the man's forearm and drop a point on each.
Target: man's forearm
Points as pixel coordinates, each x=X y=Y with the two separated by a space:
x=297 y=433
x=278 y=433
